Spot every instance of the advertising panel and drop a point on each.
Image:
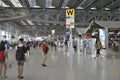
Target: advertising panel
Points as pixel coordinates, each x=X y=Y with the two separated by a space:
x=102 y=37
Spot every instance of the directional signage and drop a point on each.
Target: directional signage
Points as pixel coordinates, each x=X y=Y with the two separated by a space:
x=70 y=12
x=70 y=22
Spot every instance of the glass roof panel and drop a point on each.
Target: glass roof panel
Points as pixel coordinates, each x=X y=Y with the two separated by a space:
x=2 y=4
x=30 y=22
x=33 y=4
x=16 y=3
x=49 y=4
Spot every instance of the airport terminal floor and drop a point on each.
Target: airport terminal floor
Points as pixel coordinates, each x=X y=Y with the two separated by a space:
x=66 y=66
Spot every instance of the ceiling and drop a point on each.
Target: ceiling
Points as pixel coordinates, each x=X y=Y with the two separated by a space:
x=41 y=16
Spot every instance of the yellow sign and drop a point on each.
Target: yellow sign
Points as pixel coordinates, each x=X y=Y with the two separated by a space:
x=53 y=31
x=70 y=12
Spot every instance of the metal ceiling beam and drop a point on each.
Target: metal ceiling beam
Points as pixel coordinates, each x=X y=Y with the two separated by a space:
x=77 y=4
x=57 y=22
x=23 y=28
x=115 y=8
x=110 y=4
x=12 y=18
x=90 y=4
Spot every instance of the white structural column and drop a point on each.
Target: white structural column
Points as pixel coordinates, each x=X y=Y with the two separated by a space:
x=106 y=38
x=78 y=45
x=71 y=42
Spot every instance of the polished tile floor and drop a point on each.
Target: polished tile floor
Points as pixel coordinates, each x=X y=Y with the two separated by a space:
x=65 y=66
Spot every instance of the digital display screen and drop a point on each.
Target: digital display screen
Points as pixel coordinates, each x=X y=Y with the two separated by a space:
x=102 y=37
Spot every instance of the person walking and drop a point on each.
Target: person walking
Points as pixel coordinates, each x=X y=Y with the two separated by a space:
x=2 y=57
x=20 y=57
x=45 y=49
x=98 y=47
x=55 y=45
x=6 y=58
x=28 y=47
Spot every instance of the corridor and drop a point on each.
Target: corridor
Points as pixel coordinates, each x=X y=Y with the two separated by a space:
x=65 y=66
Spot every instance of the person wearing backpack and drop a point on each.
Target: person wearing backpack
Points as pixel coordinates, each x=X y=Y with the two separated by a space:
x=45 y=49
x=20 y=57
x=2 y=57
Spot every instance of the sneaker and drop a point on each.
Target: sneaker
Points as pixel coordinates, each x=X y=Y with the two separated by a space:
x=5 y=77
x=20 y=77
x=44 y=65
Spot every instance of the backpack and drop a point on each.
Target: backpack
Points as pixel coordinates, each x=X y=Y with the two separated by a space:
x=20 y=53
x=2 y=56
x=47 y=49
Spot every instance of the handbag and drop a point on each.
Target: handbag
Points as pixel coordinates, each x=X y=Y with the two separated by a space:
x=25 y=57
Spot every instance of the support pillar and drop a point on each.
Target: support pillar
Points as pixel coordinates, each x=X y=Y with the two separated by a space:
x=106 y=38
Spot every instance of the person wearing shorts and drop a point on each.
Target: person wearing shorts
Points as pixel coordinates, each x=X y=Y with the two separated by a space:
x=20 y=57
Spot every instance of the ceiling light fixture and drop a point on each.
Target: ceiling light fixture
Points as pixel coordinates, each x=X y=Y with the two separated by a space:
x=36 y=6
x=93 y=8
x=47 y=24
x=107 y=9
x=66 y=7
x=16 y=3
x=79 y=8
x=50 y=7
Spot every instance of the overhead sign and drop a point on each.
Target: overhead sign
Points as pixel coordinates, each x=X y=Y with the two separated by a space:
x=70 y=12
x=70 y=22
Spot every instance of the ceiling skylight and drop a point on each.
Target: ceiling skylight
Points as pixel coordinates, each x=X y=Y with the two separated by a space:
x=30 y=22
x=33 y=4
x=64 y=3
x=49 y=4
x=16 y=3
x=23 y=22
x=2 y=4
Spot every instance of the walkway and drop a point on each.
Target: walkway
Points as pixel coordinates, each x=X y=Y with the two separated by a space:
x=65 y=66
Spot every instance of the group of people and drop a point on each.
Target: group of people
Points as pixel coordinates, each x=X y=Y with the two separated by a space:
x=22 y=49
x=20 y=55
x=98 y=46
